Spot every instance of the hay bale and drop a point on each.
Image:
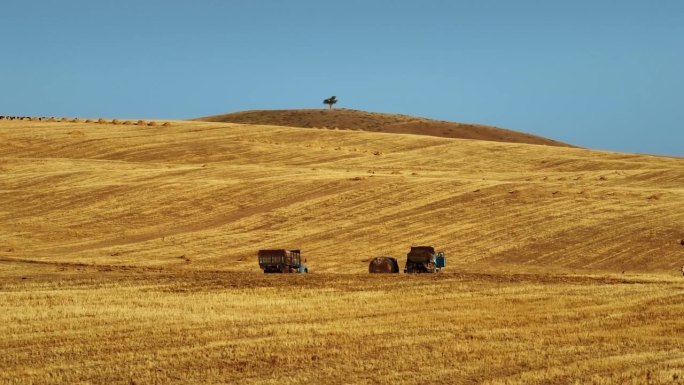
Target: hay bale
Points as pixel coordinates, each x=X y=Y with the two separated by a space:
x=115 y=121
x=166 y=124
x=383 y=265
x=140 y=123
x=152 y=124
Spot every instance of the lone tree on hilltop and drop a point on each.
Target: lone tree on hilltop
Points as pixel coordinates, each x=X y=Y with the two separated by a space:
x=330 y=101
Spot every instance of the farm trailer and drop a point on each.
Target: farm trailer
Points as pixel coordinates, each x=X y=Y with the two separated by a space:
x=424 y=259
x=282 y=261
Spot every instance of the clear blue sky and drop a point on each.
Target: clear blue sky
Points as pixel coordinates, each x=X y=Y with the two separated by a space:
x=602 y=74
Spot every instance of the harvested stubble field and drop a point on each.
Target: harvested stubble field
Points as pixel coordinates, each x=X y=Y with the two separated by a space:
x=76 y=324
x=127 y=255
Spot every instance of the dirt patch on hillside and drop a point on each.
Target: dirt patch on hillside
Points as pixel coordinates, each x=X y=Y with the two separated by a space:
x=379 y=122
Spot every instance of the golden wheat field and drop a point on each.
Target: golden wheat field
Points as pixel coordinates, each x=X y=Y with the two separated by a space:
x=128 y=255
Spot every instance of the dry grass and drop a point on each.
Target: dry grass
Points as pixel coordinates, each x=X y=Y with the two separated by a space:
x=128 y=255
x=79 y=324
x=347 y=119
x=217 y=192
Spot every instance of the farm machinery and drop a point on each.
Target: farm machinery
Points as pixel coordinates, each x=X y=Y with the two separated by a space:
x=424 y=259
x=282 y=261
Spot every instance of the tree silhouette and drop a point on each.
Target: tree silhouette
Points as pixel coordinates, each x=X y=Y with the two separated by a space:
x=330 y=101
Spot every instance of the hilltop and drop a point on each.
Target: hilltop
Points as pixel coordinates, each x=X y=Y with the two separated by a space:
x=378 y=122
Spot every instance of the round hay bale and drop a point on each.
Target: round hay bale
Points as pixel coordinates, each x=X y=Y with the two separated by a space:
x=152 y=124
x=383 y=265
x=101 y=121
x=115 y=121
x=166 y=124
x=140 y=123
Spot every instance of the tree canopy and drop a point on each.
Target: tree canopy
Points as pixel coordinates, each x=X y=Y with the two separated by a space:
x=330 y=101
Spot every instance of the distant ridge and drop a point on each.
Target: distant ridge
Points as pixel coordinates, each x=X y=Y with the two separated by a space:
x=379 y=122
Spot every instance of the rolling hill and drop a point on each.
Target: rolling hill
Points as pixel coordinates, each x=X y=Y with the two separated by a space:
x=378 y=122
x=206 y=195
x=128 y=255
